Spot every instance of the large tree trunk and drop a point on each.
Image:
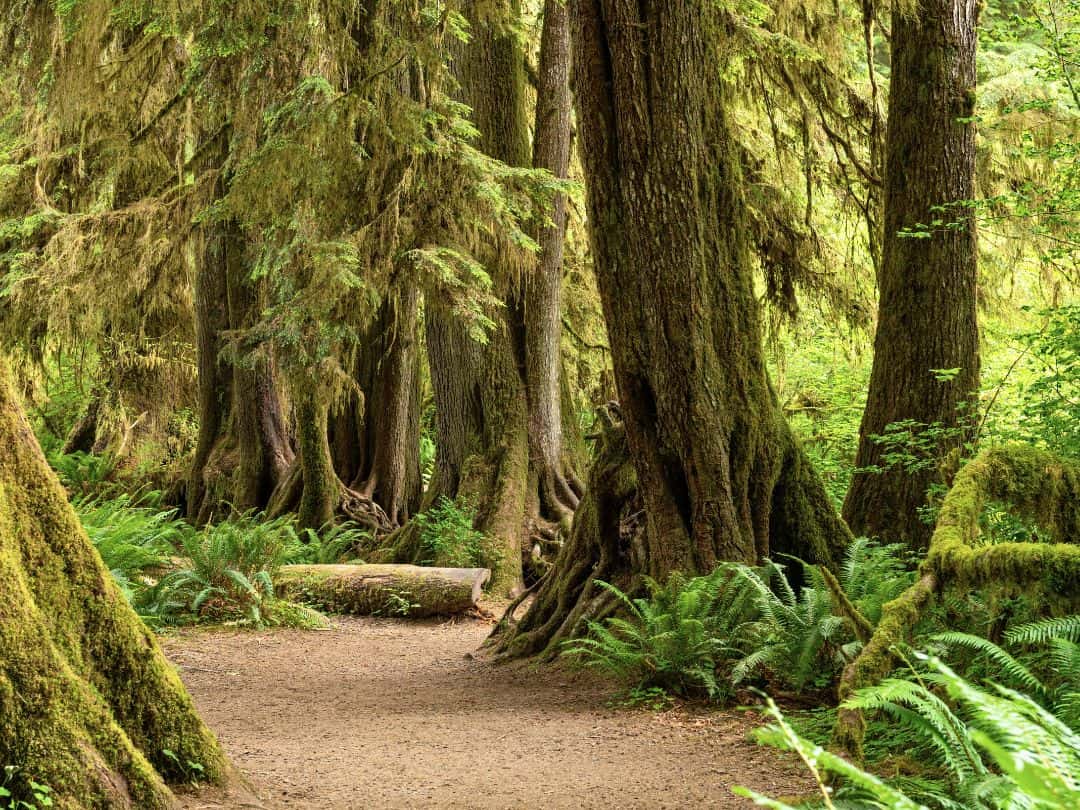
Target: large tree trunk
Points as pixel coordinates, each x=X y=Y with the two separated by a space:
x=927 y=308
x=88 y=703
x=243 y=451
x=376 y=435
x=718 y=472
x=557 y=487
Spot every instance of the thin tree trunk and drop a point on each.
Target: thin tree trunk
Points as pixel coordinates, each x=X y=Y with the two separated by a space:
x=558 y=487
x=927 y=310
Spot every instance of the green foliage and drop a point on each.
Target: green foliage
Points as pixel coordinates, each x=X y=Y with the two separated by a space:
x=1043 y=662
x=226 y=574
x=797 y=638
x=448 y=538
x=173 y=573
x=85 y=474
x=998 y=749
x=30 y=796
x=702 y=637
x=677 y=638
x=134 y=540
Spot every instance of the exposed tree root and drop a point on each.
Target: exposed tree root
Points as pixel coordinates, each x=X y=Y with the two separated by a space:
x=603 y=545
x=1034 y=485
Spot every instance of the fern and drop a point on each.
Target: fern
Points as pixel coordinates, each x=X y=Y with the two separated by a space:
x=677 y=637
x=1009 y=753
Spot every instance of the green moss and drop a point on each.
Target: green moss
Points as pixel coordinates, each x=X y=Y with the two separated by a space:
x=87 y=699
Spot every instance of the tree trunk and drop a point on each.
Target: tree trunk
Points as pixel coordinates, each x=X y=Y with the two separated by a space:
x=376 y=436
x=243 y=449
x=558 y=488
x=383 y=590
x=88 y=703
x=718 y=471
x=927 y=308
x=479 y=388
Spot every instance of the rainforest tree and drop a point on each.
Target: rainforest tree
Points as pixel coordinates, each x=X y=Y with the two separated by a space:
x=89 y=704
x=718 y=473
x=926 y=350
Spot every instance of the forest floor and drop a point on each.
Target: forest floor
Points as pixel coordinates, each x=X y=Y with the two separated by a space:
x=385 y=713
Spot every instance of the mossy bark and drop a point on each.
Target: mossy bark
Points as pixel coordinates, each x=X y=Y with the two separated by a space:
x=88 y=703
x=927 y=315
x=243 y=451
x=383 y=590
x=719 y=474
x=375 y=436
x=1034 y=485
x=479 y=388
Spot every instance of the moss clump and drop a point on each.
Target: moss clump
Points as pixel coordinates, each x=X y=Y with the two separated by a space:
x=88 y=702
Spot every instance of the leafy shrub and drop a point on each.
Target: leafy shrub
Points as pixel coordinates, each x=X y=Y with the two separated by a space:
x=705 y=635
x=334 y=543
x=84 y=474
x=678 y=637
x=801 y=642
x=1044 y=662
x=448 y=538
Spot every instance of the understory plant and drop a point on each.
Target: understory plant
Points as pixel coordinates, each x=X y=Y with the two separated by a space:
x=677 y=637
x=175 y=573
x=740 y=625
x=226 y=572
x=997 y=749
x=448 y=537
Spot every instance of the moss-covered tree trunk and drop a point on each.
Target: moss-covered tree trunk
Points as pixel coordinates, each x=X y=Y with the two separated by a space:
x=927 y=307
x=718 y=471
x=88 y=703
x=556 y=485
x=243 y=450
x=376 y=435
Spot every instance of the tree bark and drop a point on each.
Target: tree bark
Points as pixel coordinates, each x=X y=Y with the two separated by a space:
x=557 y=485
x=88 y=703
x=376 y=436
x=718 y=471
x=243 y=450
x=927 y=309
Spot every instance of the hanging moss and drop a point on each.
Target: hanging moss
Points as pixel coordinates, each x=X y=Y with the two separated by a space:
x=88 y=703
x=1035 y=485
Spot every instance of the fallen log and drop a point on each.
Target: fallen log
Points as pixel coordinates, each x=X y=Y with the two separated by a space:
x=382 y=590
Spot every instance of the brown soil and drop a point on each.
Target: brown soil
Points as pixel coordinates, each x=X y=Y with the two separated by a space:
x=383 y=713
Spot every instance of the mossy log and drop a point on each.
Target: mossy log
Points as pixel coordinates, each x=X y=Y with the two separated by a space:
x=89 y=705
x=1035 y=485
x=383 y=590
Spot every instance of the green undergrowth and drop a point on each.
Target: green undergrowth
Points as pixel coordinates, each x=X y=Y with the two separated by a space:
x=740 y=626
x=448 y=537
x=954 y=745
x=175 y=574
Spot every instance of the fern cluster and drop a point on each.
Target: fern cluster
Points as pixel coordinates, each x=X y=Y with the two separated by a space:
x=704 y=636
x=173 y=573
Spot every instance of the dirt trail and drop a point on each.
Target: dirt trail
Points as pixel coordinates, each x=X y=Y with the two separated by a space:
x=382 y=713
